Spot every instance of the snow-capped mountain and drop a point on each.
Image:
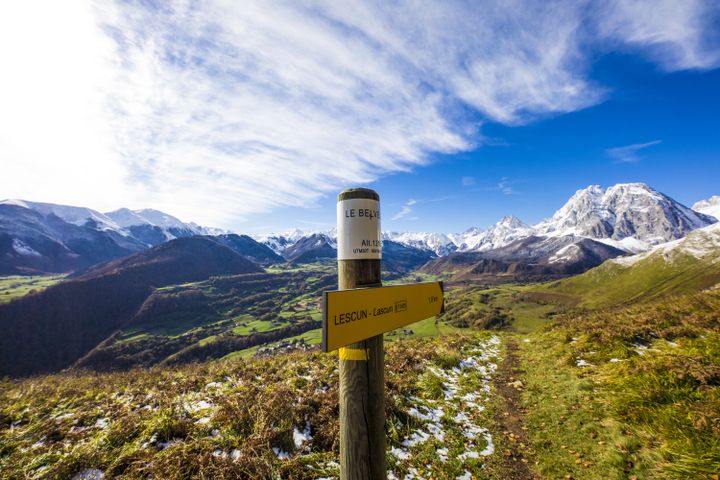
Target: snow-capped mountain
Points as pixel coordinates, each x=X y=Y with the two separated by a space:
x=279 y=242
x=75 y=215
x=438 y=243
x=630 y=216
x=149 y=227
x=711 y=206
x=504 y=232
x=44 y=237
x=153 y=226
x=703 y=243
x=32 y=242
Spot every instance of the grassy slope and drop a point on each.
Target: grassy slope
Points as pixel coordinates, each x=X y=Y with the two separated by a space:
x=649 y=279
x=632 y=391
x=507 y=306
x=629 y=411
x=16 y=286
x=223 y=419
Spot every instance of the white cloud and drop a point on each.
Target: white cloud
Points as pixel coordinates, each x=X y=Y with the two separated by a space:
x=628 y=153
x=216 y=111
x=505 y=186
x=405 y=210
x=677 y=35
x=468 y=181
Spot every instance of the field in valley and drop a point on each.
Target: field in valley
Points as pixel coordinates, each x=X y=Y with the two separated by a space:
x=15 y=286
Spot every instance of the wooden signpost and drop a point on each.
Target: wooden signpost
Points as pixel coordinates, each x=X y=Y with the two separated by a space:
x=355 y=318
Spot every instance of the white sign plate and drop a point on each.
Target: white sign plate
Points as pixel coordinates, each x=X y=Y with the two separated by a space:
x=358 y=221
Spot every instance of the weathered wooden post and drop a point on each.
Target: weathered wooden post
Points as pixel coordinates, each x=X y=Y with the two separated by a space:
x=362 y=390
x=354 y=320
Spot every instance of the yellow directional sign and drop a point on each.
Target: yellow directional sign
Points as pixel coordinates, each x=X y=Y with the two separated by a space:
x=354 y=315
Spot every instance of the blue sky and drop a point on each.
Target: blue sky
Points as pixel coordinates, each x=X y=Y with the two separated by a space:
x=252 y=115
x=530 y=171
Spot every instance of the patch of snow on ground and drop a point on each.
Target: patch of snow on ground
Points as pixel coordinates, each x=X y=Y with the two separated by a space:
x=431 y=412
x=280 y=453
x=414 y=475
x=174 y=441
x=24 y=249
x=442 y=454
x=581 y=362
x=489 y=447
x=416 y=438
x=89 y=474
x=640 y=348
x=400 y=453
x=102 y=423
x=300 y=438
x=193 y=407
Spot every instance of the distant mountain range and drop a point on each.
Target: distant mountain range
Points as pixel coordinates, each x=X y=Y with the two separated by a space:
x=594 y=225
x=631 y=217
x=42 y=237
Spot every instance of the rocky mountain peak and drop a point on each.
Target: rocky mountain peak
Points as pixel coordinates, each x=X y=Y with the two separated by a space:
x=627 y=210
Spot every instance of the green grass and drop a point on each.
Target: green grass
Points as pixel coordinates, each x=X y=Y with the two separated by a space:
x=254 y=326
x=311 y=337
x=568 y=419
x=649 y=279
x=17 y=286
x=329 y=266
x=171 y=326
x=507 y=307
x=415 y=277
x=635 y=390
x=430 y=327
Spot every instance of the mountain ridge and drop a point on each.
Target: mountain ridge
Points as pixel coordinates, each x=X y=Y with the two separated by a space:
x=630 y=217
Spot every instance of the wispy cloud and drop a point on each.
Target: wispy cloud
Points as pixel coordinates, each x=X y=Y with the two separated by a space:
x=505 y=186
x=219 y=110
x=468 y=181
x=628 y=153
x=405 y=210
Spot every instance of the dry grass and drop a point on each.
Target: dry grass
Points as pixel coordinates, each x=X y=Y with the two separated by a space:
x=211 y=420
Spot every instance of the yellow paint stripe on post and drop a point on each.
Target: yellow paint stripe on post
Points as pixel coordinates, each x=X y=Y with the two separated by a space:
x=353 y=354
x=350 y=316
